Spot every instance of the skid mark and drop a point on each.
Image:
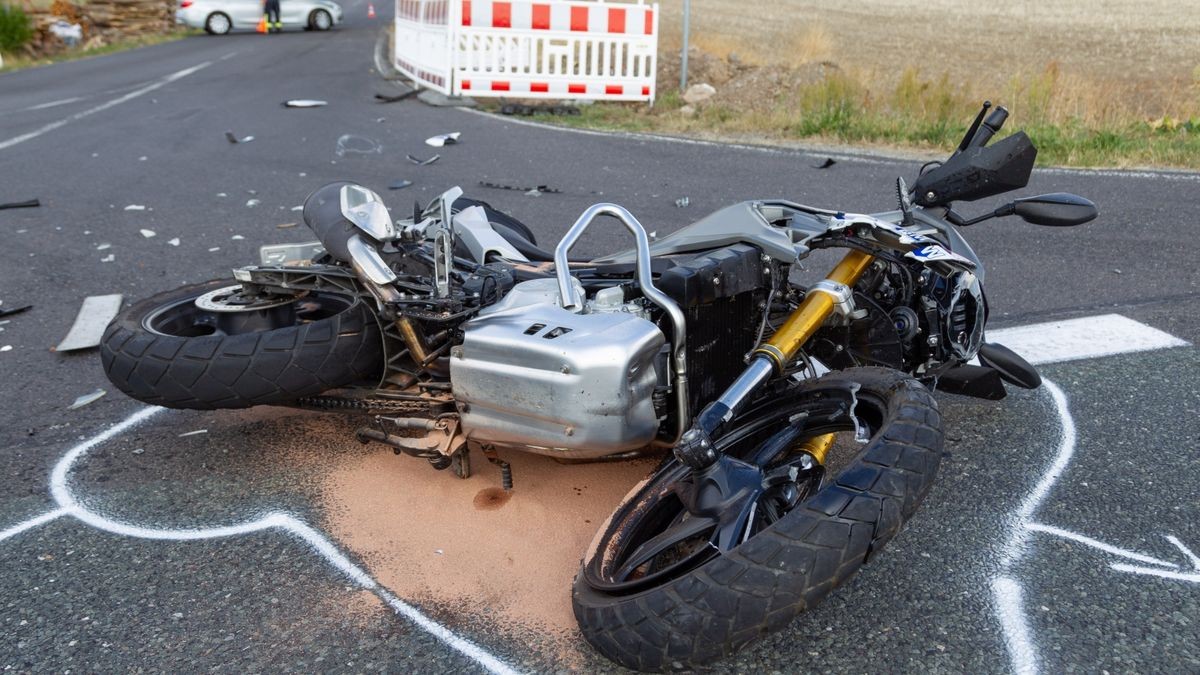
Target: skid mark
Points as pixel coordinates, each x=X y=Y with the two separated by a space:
x=70 y=505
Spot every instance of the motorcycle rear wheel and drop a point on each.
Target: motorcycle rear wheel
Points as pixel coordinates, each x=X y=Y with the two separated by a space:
x=702 y=604
x=231 y=352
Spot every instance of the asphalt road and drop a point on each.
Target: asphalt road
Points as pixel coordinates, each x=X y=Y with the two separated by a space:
x=147 y=128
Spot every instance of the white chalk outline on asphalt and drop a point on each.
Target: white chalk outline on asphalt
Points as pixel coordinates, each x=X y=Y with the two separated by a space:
x=1007 y=592
x=317 y=541
x=16 y=140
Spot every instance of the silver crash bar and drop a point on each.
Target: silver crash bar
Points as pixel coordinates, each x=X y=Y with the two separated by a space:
x=569 y=295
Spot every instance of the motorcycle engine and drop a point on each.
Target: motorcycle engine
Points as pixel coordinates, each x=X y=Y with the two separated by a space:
x=531 y=374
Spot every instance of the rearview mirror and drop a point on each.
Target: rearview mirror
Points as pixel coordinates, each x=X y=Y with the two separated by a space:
x=1059 y=209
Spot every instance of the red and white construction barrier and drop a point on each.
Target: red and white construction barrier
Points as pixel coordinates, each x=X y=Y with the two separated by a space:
x=566 y=49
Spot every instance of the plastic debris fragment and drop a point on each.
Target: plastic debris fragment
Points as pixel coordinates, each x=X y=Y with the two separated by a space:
x=148 y=233
x=386 y=98
x=135 y=207
x=304 y=103
x=15 y=310
x=229 y=136
x=87 y=398
x=173 y=242
x=829 y=161
x=193 y=433
x=214 y=249
x=400 y=185
x=546 y=189
x=96 y=312
x=350 y=144
x=108 y=258
x=30 y=204
x=251 y=203
x=237 y=237
x=424 y=162
x=443 y=139
x=103 y=247
x=683 y=202
x=6 y=348
x=284 y=226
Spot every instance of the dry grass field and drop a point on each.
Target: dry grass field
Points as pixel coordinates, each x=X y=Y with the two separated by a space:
x=1103 y=82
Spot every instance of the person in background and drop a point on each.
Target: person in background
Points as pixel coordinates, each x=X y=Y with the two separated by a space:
x=271 y=12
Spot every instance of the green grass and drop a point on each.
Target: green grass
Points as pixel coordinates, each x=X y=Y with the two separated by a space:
x=20 y=62
x=925 y=115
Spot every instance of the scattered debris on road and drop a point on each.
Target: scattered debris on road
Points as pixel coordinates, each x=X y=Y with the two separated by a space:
x=443 y=139
x=15 y=310
x=173 y=242
x=232 y=138
x=237 y=237
x=135 y=207
x=349 y=144
x=251 y=203
x=6 y=348
x=94 y=316
x=424 y=162
x=193 y=433
x=538 y=189
x=683 y=202
x=29 y=204
x=387 y=98
x=540 y=108
x=829 y=161
x=400 y=184
x=87 y=398
x=103 y=247
x=148 y=233
x=284 y=226
x=214 y=249
x=304 y=103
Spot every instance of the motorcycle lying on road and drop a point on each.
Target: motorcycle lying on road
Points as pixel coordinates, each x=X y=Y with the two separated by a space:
x=797 y=423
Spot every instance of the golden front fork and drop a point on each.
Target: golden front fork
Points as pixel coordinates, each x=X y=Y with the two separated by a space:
x=804 y=323
x=812 y=312
x=695 y=447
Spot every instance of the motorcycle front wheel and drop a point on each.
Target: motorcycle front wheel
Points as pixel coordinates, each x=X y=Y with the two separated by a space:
x=657 y=593
x=205 y=346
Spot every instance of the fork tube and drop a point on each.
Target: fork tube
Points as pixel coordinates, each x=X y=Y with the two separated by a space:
x=812 y=312
x=695 y=447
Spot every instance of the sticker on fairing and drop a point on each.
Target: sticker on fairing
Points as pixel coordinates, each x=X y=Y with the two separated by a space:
x=935 y=253
x=904 y=235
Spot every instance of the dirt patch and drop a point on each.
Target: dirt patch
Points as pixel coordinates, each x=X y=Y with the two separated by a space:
x=467 y=547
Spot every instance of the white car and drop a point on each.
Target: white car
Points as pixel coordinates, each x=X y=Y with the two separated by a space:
x=218 y=17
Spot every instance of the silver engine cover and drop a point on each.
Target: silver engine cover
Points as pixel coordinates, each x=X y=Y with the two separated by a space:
x=530 y=374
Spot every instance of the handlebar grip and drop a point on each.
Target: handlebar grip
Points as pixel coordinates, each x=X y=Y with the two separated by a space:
x=990 y=126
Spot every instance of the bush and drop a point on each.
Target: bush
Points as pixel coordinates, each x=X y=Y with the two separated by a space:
x=15 y=28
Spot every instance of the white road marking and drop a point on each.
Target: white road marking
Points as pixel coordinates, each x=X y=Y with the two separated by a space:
x=52 y=104
x=104 y=106
x=1085 y=338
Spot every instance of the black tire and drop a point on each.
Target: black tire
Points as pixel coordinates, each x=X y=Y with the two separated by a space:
x=713 y=609
x=320 y=20
x=218 y=23
x=338 y=344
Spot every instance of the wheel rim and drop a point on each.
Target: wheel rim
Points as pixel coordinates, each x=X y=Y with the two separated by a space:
x=322 y=20
x=224 y=311
x=655 y=540
x=218 y=24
